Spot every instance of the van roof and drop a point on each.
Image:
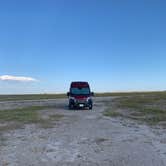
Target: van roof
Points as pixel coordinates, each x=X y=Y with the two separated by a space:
x=79 y=84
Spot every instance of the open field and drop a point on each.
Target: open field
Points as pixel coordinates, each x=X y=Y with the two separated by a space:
x=16 y=118
x=31 y=97
x=122 y=130
x=144 y=107
x=55 y=96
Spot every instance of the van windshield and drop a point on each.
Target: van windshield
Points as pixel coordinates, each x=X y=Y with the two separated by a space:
x=80 y=91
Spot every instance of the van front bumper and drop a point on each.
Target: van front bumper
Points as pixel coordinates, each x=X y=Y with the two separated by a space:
x=80 y=103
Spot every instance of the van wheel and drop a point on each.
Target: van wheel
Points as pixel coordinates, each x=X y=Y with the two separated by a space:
x=70 y=106
x=90 y=107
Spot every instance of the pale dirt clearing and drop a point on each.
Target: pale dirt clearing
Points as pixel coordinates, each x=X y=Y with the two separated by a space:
x=81 y=138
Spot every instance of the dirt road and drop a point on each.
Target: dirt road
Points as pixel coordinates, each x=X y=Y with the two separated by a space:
x=82 y=138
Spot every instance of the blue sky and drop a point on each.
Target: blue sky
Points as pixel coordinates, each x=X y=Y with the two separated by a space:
x=116 y=45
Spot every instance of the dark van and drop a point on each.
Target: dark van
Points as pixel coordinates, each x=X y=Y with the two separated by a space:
x=80 y=95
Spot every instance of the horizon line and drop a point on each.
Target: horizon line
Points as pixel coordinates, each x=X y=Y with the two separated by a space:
x=57 y=93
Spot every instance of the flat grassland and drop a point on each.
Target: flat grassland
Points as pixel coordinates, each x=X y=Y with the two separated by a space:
x=149 y=107
x=30 y=97
x=63 y=95
x=122 y=129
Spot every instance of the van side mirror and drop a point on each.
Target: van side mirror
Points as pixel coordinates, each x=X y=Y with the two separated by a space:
x=92 y=94
x=68 y=94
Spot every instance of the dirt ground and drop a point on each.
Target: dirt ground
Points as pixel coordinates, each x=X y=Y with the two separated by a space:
x=81 y=138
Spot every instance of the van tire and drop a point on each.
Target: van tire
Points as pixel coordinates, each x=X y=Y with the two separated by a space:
x=90 y=107
x=70 y=106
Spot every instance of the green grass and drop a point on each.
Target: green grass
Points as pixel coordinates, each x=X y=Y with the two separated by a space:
x=31 y=97
x=111 y=113
x=55 y=96
x=20 y=115
x=15 y=118
x=145 y=107
x=151 y=93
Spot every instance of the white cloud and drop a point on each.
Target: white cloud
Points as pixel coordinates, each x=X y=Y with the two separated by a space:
x=16 y=78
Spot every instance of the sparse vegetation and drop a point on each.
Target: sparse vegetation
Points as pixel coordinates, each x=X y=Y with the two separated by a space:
x=120 y=94
x=15 y=118
x=31 y=97
x=146 y=107
x=56 y=96
x=2 y=140
x=111 y=113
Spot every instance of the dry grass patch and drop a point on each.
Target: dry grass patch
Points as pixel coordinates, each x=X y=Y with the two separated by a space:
x=149 y=108
x=16 y=118
x=31 y=97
